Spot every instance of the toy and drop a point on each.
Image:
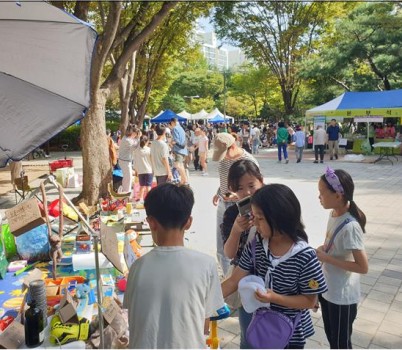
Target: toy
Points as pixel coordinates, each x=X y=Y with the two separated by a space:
x=122 y=284
x=213 y=339
x=83 y=290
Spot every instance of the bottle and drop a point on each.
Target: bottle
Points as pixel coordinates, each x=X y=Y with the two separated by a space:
x=34 y=326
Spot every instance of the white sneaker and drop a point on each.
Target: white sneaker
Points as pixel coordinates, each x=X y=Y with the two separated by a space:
x=204 y=174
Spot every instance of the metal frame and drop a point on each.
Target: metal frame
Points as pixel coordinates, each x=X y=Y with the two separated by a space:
x=96 y=239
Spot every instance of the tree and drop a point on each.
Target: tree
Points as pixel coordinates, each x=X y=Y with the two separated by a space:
x=366 y=55
x=115 y=31
x=167 y=44
x=275 y=35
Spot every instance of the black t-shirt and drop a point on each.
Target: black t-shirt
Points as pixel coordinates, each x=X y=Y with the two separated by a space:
x=229 y=218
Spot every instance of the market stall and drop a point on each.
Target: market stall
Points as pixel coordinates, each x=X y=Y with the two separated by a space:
x=82 y=286
x=361 y=107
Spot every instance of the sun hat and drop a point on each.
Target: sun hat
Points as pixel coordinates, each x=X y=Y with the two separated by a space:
x=247 y=287
x=221 y=144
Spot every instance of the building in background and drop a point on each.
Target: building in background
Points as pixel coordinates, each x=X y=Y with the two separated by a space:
x=217 y=56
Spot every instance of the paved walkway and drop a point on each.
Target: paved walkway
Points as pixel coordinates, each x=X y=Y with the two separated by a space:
x=378 y=193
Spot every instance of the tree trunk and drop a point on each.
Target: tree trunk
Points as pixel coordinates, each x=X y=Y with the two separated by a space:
x=126 y=84
x=95 y=155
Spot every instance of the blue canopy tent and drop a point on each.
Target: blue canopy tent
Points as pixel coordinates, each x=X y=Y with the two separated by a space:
x=166 y=116
x=361 y=104
x=218 y=119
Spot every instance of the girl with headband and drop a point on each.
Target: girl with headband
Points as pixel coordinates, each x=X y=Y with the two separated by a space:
x=343 y=257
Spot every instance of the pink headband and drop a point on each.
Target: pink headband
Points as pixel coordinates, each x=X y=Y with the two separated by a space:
x=333 y=180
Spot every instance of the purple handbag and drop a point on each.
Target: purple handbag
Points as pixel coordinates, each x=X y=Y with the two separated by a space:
x=270 y=329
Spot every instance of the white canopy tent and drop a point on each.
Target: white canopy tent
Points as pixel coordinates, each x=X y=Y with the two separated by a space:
x=202 y=114
x=45 y=64
x=217 y=112
x=185 y=114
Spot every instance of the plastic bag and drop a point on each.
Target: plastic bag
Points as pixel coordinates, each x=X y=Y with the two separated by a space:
x=34 y=244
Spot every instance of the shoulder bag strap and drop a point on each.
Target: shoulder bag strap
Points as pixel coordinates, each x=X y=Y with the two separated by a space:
x=331 y=242
x=253 y=245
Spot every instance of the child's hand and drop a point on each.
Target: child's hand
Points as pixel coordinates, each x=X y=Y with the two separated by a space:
x=264 y=296
x=243 y=222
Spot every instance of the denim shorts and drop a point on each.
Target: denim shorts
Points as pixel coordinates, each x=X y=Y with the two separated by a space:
x=145 y=179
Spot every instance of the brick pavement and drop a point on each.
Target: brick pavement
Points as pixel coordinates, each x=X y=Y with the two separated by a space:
x=378 y=193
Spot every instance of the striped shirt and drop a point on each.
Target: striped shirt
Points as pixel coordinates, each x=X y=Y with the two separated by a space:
x=299 y=274
x=223 y=170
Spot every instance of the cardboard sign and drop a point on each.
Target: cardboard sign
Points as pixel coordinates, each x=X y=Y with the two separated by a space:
x=68 y=309
x=13 y=336
x=111 y=311
x=110 y=243
x=33 y=275
x=24 y=217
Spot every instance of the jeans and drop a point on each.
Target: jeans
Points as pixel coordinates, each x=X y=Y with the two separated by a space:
x=319 y=149
x=256 y=143
x=244 y=321
x=223 y=261
x=338 y=322
x=299 y=152
x=284 y=147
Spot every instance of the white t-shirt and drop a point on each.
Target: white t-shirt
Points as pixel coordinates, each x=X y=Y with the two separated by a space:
x=202 y=144
x=142 y=160
x=170 y=292
x=343 y=286
x=159 y=150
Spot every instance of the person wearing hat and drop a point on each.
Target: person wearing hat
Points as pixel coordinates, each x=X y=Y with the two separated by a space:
x=226 y=152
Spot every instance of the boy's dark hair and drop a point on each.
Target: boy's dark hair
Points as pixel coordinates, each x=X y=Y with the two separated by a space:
x=281 y=210
x=348 y=188
x=170 y=205
x=240 y=168
x=281 y=125
x=160 y=129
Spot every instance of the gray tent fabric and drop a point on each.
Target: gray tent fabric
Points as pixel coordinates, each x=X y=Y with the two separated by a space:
x=45 y=63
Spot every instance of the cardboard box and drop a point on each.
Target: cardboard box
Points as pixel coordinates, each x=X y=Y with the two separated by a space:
x=24 y=217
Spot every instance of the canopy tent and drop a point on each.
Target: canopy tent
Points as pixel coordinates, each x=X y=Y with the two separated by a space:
x=202 y=114
x=166 y=116
x=217 y=117
x=44 y=74
x=361 y=104
x=184 y=114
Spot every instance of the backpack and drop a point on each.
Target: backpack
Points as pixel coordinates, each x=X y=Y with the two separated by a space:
x=270 y=329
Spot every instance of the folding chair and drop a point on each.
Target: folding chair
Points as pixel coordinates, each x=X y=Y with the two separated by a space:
x=115 y=195
x=22 y=188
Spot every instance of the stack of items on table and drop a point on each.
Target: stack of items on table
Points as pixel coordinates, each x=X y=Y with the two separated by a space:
x=64 y=173
x=65 y=305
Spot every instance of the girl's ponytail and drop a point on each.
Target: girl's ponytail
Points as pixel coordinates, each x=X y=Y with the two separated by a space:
x=355 y=211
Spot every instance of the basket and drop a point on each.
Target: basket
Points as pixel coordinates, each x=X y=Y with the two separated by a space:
x=60 y=163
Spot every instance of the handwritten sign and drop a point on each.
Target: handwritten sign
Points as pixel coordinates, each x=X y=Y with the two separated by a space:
x=24 y=217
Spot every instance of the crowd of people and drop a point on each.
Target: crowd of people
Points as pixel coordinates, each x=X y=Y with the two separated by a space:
x=172 y=291
x=167 y=152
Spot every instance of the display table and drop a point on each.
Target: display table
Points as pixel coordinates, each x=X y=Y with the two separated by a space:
x=386 y=150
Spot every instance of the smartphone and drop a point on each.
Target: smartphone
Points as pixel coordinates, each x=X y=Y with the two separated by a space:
x=244 y=206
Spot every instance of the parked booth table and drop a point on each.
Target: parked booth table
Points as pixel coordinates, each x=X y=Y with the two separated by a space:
x=386 y=150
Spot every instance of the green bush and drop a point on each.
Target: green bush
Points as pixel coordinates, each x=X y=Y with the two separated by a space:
x=69 y=136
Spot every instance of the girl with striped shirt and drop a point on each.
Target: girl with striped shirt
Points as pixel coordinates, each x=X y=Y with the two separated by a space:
x=294 y=283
